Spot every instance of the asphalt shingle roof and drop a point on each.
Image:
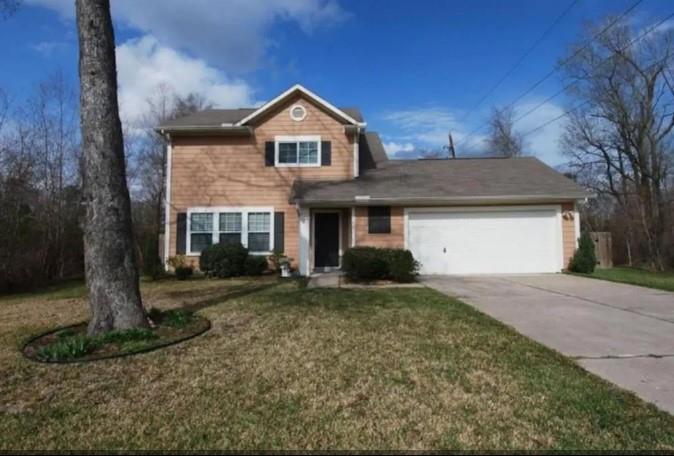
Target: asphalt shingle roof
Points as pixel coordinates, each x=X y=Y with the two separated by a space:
x=498 y=178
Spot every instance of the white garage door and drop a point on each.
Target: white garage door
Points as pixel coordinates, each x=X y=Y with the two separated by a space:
x=485 y=241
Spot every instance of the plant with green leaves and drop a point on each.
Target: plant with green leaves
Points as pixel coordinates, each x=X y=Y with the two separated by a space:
x=584 y=260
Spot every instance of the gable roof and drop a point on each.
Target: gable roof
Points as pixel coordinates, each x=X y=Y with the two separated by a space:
x=371 y=153
x=455 y=181
x=297 y=88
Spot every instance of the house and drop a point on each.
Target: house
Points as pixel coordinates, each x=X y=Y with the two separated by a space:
x=302 y=176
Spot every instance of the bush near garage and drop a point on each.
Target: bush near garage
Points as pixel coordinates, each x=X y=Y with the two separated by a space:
x=373 y=263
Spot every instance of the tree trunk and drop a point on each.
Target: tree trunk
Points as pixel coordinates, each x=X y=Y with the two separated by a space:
x=110 y=265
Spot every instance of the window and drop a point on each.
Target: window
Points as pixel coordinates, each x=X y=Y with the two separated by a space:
x=230 y=227
x=258 y=231
x=298 y=151
x=379 y=219
x=251 y=226
x=298 y=113
x=201 y=231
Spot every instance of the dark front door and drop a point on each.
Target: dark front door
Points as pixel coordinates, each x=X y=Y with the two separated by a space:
x=326 y=232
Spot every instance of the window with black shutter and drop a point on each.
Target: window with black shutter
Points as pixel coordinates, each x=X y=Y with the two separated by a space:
x=379 y=219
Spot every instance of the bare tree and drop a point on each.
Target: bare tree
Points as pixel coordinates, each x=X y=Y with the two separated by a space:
x=503 y=140
x=110 y=265
x=619 y=134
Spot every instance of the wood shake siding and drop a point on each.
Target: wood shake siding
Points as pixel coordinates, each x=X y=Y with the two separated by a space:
x=394 y=239
x=568 y=234
x=231 y=171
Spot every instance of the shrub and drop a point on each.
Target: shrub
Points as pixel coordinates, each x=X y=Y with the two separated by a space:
x=255 y=265
x=182 y=268
x=402 y=265
x=371 y=263
x=364 y=263
x=224 y=260
x=584 y=260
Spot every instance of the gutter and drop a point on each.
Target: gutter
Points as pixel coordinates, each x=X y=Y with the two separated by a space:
x=364 y=200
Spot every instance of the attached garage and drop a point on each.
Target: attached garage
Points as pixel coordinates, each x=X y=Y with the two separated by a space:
x=493 y=240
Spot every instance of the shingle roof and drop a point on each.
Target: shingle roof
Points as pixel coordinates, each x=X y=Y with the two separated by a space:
x=448 y=180
x=371 y=151
x=217 y=117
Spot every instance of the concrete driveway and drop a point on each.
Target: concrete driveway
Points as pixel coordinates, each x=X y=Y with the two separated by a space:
x=622 y=333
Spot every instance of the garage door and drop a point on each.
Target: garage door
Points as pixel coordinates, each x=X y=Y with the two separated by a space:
x=484 y=242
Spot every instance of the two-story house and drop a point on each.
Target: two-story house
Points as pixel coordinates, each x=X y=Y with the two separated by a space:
x=304 y=177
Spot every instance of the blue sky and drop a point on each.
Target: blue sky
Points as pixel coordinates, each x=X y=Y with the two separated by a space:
x=416 y=69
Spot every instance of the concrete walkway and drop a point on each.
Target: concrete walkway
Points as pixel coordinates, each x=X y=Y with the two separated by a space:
x=622 y=333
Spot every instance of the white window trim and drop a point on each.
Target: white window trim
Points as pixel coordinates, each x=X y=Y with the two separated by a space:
x=296 y=139
x=216 y=210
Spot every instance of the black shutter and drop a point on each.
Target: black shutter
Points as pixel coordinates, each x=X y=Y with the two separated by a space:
x=181 y=233
x=269 y=153
x=326 y=153
x=279 y=231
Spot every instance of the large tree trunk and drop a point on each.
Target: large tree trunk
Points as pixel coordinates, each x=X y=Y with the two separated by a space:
x=110 y=265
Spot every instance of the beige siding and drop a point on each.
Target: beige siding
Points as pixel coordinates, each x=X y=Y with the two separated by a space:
x=222 y=171
x=568 y=233
x=394 y=239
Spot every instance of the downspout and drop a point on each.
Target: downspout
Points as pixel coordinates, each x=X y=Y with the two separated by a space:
x=167 y=200
x=356 y=153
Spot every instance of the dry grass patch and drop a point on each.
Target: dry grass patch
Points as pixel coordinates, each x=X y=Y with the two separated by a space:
x=289 y=367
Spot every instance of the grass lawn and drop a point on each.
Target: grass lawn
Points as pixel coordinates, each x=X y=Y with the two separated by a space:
x=297 y=368
x=634 y=276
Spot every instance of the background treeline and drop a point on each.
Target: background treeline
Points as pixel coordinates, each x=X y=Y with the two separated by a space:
x=40 y=181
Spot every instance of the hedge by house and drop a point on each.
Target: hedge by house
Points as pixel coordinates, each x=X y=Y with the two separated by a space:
x=230 y=259
x=372 y=263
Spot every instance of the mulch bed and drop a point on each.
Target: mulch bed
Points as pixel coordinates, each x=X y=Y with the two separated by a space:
x=165 y=336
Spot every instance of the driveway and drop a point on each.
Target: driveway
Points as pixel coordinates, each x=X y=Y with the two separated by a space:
x=622 y=333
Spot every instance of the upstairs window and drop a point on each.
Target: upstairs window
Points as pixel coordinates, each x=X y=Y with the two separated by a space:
x=379 y=219
x=298 y=151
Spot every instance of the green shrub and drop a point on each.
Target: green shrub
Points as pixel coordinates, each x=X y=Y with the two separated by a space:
x=223 y=260
x=402 y=265
x=371 y=263
x=255 y=265
x=584 y=260
x=364 y=263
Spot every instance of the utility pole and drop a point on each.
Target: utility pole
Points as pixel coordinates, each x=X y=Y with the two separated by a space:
x=452 y=152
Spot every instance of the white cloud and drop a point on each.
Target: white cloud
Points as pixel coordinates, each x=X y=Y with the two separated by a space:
x=48 y=48
x=429 y=127
x=231 y=35
x=143 y=65
x=394 y=148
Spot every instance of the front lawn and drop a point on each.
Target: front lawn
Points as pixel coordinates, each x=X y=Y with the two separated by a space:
x=297 y=368
x=634 y=276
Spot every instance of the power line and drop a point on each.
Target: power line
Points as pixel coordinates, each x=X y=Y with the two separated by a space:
x=558 y=66
x=522 y=58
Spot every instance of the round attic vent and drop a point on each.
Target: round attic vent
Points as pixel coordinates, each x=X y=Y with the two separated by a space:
x=298 y=113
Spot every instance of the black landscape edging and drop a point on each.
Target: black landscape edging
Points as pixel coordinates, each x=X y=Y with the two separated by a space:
x=111 y=356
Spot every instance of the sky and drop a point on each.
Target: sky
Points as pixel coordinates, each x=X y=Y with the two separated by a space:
x=415 y=69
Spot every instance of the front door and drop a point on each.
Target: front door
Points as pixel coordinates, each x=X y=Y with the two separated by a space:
x=326 y=238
